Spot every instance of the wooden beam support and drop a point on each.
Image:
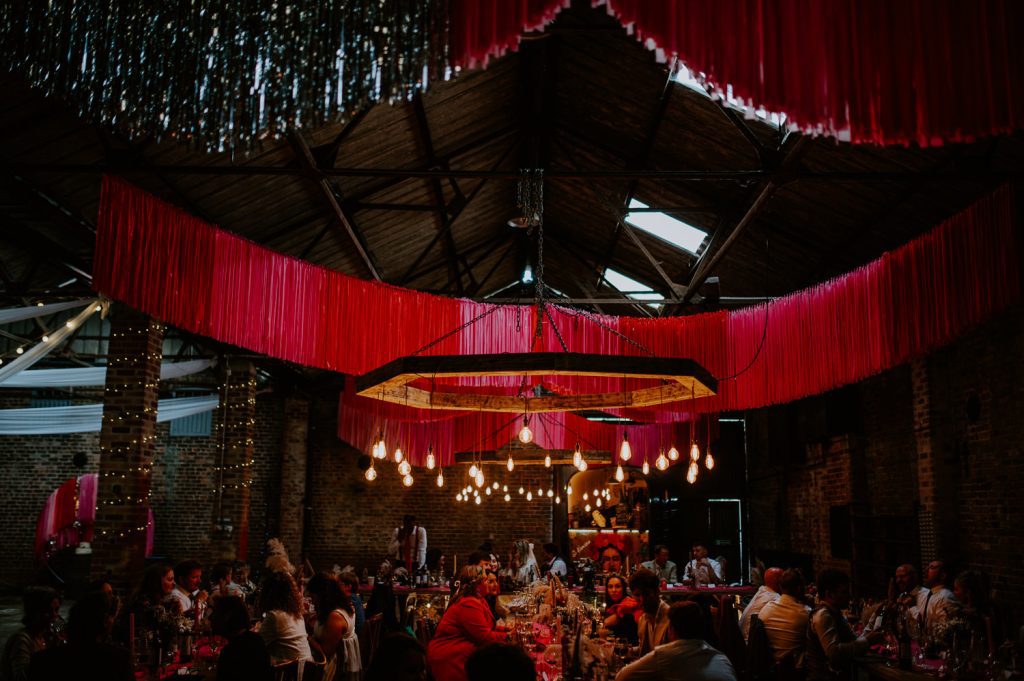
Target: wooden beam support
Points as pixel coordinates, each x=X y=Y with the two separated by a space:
x=341 y=220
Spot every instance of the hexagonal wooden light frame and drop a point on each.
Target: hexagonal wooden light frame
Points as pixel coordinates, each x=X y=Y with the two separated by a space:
x=683 y=379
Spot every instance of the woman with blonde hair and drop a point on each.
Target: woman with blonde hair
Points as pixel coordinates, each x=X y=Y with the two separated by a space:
x=283 y=629
x=467 y=625
x=523 y=568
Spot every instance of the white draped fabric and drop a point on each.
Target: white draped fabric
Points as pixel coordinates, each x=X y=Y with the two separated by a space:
x=17 y=314
x=87 y=418
x=43 y=348
x=84 y=376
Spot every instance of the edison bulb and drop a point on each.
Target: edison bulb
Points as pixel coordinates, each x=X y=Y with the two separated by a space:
x=547 y=461
x=646 y=468
x=662 y=463
x=673 y=453
x=529 y=496
x=598 y=503
x=585 y=496
x=619 y=474
x=371 y=474
x=691 y=473
x=440 y=479
x=431 y=462
x=487 y=491
x=458 y=497
x=521 y=490
x=404 y=468
x=577 y=456
x=624 y=450
x=587 y=508
x=399 y=456
x=479 y=480
x=709 y=461
x=476 y=500
x=583 y=465
x=694 y=452
x=558 y=499
x=473 y=470
x=525 y=434
x=407 y=480
x=504 y=488
x=551 y=493
x=508 y=497
x=495 y=485
x=510 y=464
x=568 y=491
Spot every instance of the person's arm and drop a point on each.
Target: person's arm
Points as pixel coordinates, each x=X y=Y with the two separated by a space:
x=688 y=572
x=476 y=622
x=19 y=651
x=331 y=633
x=838 y=653
x=395 y=545
x=644 y=669
x=357 y=604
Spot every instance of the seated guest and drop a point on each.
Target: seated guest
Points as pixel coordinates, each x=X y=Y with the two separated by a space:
x=831 y=643
x=40 y=608
x=283 y=629
x=245 y=656
x=240 y=573
x=612 y=559
x=686 y=656
x=500 y=662
x=701 y=570
x=972 y=612
x=661 y=565
x=221 y=582
x=935 y=603
x=907 y=586
x=620 y=610
x=335 y=627
x=349 y=584
x=653 y=624
x=523 y=568
x=766 y=593
x=467 y=624
x=382 y=601
x=153 y=605
x=187 y=575
x=88 y=654
x=399 y=657
x=785 y=620
x=553 y=562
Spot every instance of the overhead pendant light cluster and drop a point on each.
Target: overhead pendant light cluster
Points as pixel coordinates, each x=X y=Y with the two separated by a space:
x=379 y=452
x=469 y=492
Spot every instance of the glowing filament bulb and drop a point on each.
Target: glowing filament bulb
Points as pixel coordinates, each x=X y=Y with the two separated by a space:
x=510 y=464
x=479 y=480
x=476 y=500
x=694 y=452
x=495 y=485
x=709 y=461
x=619 y=474
x=583 y=465
x=673 y=453
x=691 y=473
x=46 y=339
x=598 y=503
x=504 y=488
x=547 y=461
x=458 y=497
x=585 y=496
x=431 y=462
x=399 y=455
x=487 y=491
x=568 y=491
x=407 y=480
x=577 y=456
x=662 y=463
x=404 y=468
x=646 y=468
x=521 y=490
x=371 y=474
x=558 y=499
x=440 y=479
x=20 y=350
x=473 y=470
x=587 y=508
x=382 y=449
x=551 y=493
x=624 y=451
x=507 y=497
x=529 y=496
x=525 y=434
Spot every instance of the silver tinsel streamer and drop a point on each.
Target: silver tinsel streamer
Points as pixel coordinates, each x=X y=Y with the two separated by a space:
x=223 y=74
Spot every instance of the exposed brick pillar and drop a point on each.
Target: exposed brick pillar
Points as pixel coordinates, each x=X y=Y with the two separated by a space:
x=927 y=473
x=230 y=536
x=127 y=443
x=294 y=454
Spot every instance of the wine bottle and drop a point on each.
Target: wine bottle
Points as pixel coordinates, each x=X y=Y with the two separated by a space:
x=904 y=655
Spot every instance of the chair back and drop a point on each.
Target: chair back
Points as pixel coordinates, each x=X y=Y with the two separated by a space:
x=370 y=639
x=730 y=638
x=760 y=660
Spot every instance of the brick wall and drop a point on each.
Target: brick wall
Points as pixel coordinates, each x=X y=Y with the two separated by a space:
x=941 y=436
x=352 y=518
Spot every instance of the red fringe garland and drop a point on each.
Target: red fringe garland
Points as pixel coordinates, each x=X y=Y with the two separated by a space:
x=177 y=268
x=923 y=72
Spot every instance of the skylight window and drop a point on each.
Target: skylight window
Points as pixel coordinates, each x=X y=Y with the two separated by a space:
x=631 y=288
x=667 y=228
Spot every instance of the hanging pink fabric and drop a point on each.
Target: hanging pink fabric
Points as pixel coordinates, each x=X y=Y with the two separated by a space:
x=166 y=263
x=923 y=72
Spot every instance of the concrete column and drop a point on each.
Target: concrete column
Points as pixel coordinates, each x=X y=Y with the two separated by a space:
x=230 y=536
x=127 y=443
x=294 y=455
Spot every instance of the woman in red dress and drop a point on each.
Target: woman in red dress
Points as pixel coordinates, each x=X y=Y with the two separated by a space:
x=467 y=625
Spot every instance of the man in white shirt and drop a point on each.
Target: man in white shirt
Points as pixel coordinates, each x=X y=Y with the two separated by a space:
x=702 y=570
x=686 y=657
x=766 y=593
x=409 y=544
x=935 y=604
x=785 y=621
x=661 y=565
x=555 y=565
x=653 y=624
x=187 y=575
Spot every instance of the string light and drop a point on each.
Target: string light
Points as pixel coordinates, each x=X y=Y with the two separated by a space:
x=430 y=458
x=694 y=452
x=568 y=491
x=504 y=488
x=476 y=500
x=551 y=493
x=577 y=456
x=495 y=485
x=558 y=499
x=673 y=454
x=646 y=468
x=473 y=470
x=479 y=479
x=691 y=473
x=398 y=454
x=407 y=480
x=487 y=491
x=521 y=490
x=404 y=468
x=510 y=464
x=458 y=497
x=583 y=465
x=440 y=478
x=508 y=497
x=709 y=461
x=587 y=508
x=20 y=350
x=598 y=503
x=529 y=496
x=624 y=450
